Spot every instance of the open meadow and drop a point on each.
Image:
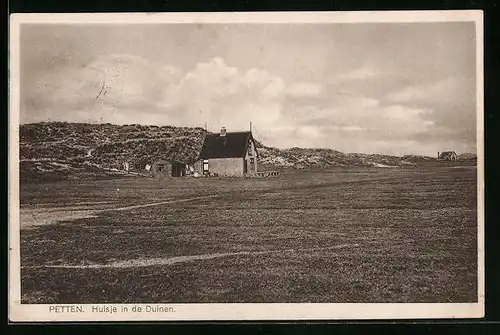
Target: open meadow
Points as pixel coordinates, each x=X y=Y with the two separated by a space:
x=336 y=235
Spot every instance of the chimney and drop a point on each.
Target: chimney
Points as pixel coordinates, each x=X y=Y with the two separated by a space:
x=223 y=131
x=438 y=154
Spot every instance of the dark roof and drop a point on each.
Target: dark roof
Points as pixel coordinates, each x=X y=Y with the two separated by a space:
x=233 y=145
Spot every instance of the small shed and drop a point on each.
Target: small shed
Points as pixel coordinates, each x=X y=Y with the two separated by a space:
x=448 y=155
x=168 y=168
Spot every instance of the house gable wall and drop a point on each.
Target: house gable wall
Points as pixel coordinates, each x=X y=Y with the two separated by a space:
x=230 y=167
x=251 y=154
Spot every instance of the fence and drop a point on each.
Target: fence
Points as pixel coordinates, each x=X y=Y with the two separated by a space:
x=267 y=174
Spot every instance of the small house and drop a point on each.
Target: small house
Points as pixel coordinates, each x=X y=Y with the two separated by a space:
x=231 y=154
x=448 y=155
x=167 y=168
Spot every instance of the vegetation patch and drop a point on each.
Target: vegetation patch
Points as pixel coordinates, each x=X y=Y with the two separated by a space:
x=412 y=231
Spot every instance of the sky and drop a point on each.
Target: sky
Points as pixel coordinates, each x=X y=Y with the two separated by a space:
x=389 y=88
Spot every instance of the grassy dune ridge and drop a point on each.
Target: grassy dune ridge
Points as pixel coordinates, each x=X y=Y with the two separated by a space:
x=61 y=150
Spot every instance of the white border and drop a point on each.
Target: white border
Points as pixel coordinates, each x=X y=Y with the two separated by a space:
x=28 y=313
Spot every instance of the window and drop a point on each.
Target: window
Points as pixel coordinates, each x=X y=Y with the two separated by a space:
x=205 y=165
x=161 y=168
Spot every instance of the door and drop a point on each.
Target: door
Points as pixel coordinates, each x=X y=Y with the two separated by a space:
x=205 y=166
x=245 y=166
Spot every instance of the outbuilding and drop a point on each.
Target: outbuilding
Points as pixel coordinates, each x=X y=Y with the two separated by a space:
x=168 y=168
x=448 y=155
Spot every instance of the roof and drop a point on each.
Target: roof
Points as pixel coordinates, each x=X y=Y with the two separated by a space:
x=447 y=153
x=232 y=145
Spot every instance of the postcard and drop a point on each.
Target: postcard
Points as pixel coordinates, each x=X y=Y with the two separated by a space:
x=246 y=166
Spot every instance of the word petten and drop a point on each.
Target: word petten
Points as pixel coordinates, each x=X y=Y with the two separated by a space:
x=66 y=309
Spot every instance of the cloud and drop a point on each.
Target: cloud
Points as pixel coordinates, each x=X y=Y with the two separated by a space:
x=351 y=123
x=134 y=78
x=448 y=91
x=351 y=128
x=355 y=113
x=111 y=88
x=359 y=74
x=123 y=89
x=128 y=89
x=450 y=105
x=223 y=96
x=305 y=90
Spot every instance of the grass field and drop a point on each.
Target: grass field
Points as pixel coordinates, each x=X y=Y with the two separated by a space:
x=340 y=235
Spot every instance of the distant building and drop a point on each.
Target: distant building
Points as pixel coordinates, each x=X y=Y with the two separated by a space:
x=448 y=155
x=231 y=154
x=166 y=168
x=126 y=166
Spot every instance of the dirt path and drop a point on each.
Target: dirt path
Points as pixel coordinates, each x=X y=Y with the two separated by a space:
x=162 y=203
x=30 y=217
x=182 y=259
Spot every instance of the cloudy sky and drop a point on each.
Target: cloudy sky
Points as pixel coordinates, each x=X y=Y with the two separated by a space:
x=393 y=88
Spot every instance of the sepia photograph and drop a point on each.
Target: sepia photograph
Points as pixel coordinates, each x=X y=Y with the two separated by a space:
x=246 y=166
